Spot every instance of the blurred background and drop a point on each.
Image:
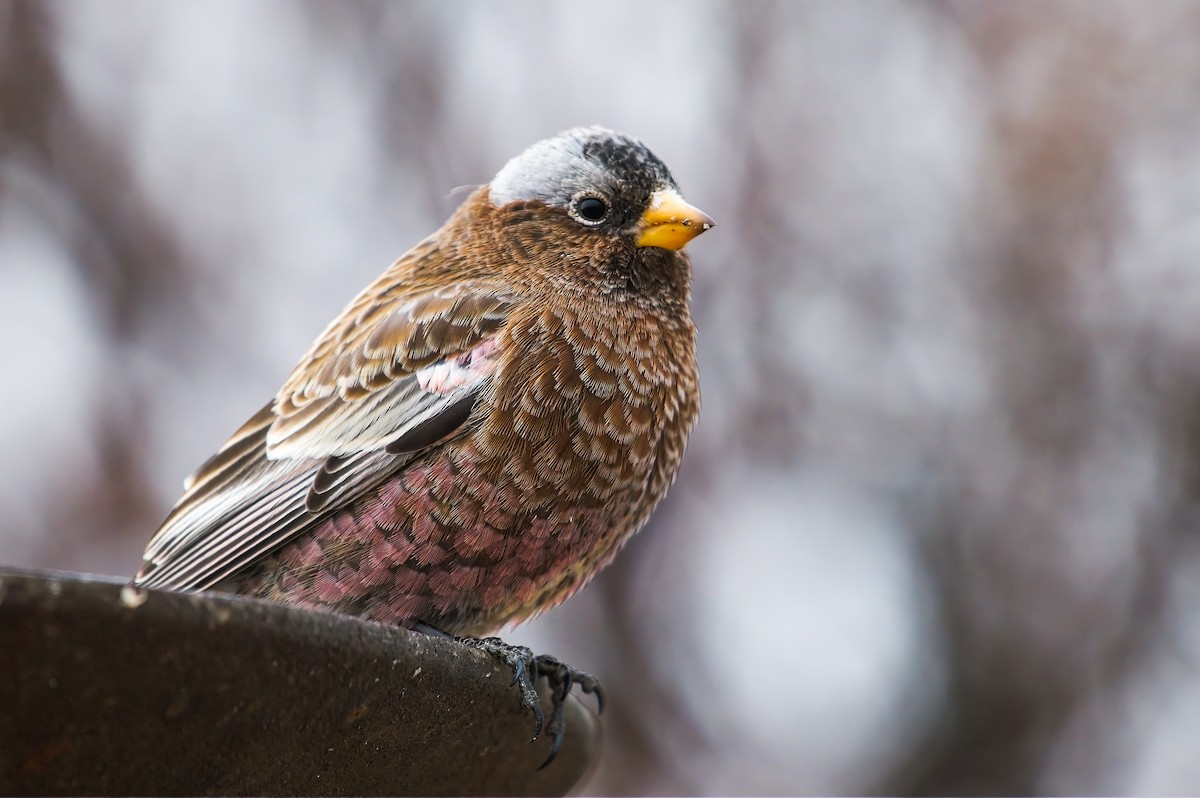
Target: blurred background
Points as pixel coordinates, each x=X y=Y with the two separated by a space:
x=936 y=529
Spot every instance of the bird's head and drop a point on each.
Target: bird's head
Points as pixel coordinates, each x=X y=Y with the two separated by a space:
x=597 y=207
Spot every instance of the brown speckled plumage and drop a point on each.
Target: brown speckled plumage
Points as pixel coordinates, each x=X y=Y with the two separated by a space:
x=484 y=426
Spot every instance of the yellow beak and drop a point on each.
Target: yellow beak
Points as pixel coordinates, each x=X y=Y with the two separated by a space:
x=669 y=222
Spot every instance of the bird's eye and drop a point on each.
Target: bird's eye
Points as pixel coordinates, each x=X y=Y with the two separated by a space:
x=591 y=209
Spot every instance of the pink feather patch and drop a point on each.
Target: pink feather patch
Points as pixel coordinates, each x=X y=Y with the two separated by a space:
x=462 y=371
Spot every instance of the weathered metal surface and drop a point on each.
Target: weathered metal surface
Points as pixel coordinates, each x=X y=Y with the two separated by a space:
x=104 y=691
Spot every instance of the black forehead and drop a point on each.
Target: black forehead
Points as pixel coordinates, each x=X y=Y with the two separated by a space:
x=628 y=160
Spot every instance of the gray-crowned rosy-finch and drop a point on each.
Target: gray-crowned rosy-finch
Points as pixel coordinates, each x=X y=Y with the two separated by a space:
x=484 y=426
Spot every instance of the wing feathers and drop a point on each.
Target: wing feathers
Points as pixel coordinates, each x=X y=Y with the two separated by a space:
x=342 y=477
x=361 y=395
x=436 y=427
x=217 y=530
x=387 y=379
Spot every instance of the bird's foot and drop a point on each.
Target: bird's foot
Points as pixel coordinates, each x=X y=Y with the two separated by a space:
x=527 y=667
x=562 y=677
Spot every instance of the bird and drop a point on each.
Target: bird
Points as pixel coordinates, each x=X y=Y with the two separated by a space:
x=482 y=428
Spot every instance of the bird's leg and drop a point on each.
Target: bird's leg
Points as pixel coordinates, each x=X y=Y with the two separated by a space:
x=527 y=667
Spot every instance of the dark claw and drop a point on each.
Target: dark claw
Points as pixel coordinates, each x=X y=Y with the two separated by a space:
x=527 y=669
x=520 y=659
x=562 y=678
x=538 y=718
x=518 y=672
x=558 y=727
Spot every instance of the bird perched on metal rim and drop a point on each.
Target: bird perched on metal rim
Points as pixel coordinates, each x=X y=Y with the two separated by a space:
x=482 y=427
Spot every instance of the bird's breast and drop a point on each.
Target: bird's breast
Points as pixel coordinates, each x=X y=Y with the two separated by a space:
x=580 y=437
x=583 y=401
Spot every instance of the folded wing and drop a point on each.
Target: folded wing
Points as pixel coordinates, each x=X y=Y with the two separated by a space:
x=396 y=373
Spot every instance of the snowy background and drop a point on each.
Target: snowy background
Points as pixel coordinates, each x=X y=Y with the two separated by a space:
x=937 y=529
